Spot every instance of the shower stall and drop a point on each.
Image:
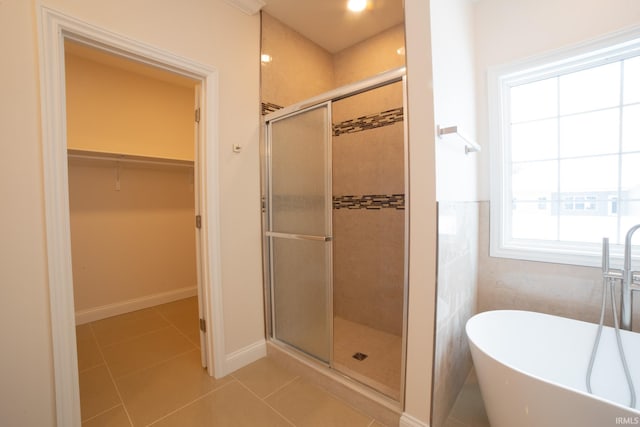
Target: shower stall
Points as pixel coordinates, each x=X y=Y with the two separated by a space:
x=335 y=230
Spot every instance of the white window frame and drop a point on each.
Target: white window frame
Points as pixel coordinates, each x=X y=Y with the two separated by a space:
x=600 y=51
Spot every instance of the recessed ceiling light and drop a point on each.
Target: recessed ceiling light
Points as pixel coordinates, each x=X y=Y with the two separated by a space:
x=357 y=5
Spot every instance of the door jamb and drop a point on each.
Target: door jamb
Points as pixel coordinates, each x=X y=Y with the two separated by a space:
x=53 y=28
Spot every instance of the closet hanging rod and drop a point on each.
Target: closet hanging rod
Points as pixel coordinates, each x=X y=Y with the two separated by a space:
x=470 y=146
x=127 y=158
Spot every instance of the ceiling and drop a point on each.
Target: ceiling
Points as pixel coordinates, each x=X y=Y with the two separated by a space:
x=111 y=60
x=329 y=24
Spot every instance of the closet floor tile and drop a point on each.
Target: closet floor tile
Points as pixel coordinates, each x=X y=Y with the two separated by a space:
x=117 y=329
x=115 y=417
x=183 y=314
x=89 y=355
x=145 y=351
x=97 y=392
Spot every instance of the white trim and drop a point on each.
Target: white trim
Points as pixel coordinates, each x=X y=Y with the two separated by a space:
x=407 y=420
x=246 y=355
x=53 y=28
x=605 y=49
x=250 y=7
x=121 y=307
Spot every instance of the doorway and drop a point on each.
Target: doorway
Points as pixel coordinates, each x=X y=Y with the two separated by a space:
x=56 y=28
x=131 y=138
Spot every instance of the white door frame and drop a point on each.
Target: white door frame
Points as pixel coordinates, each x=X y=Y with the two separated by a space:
x=54 y=27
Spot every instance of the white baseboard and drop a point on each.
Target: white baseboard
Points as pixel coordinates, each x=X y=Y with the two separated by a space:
x=104 y=311
x=407 y=420
x=246 y=355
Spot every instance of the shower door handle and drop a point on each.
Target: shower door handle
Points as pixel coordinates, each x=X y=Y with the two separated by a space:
x=298 y=236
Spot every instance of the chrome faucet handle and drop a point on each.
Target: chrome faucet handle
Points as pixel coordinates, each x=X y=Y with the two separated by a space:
x=628 y=282
x=605 y=254
x=607 y=272
x=632 y=277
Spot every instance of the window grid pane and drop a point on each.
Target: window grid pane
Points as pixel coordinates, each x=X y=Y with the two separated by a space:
x=570 y=180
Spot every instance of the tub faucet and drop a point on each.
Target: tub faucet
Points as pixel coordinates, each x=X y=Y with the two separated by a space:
x=630 y=281
x=609 y=273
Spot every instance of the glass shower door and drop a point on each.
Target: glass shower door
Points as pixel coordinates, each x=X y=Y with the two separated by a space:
x=299 y=229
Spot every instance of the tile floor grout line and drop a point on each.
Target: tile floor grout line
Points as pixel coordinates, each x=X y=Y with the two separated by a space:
x=80 y=371
x=133 y=338
x=267 y=403
x=210 y=392
x=113 y=380
x=176 y=327
x=339 y=399
x=156 y=364
x=100 y=413
x=281 y=387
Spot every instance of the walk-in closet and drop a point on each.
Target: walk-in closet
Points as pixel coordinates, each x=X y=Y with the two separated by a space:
x=130 y=139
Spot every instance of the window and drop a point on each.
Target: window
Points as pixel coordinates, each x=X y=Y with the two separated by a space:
x=565 y=138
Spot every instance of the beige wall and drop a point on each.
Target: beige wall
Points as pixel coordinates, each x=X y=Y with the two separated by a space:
x=111 y=109
x=423 y=215
x=456 y=181
x=132 y=243
x=27 y=391
x=455 y=98
x=138 y=240
x=194 y=29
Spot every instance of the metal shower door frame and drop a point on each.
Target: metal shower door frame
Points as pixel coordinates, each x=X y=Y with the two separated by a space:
x=269 y=234
x=379 y=80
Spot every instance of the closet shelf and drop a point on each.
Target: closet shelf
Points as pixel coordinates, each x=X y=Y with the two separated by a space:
x=127 y=158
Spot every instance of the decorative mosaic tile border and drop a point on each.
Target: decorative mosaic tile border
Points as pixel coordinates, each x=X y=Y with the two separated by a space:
x=359 y=124
x=268 y=107
x=369 y=201
x=372 y=121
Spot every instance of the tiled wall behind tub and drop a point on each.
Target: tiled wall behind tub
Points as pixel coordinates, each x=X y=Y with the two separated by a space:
x=368 y=214
x=559 y=289
x=457 y=290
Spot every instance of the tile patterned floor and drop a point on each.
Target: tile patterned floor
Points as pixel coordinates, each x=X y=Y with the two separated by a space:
x=143 y=368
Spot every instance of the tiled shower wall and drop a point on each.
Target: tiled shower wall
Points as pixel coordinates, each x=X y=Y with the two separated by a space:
x=457 y=290
x=368 y=214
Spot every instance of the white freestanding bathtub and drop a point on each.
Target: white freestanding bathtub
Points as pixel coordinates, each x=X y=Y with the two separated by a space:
x=531 y=368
